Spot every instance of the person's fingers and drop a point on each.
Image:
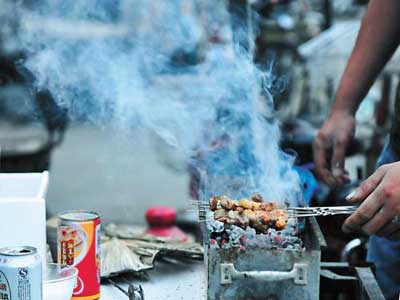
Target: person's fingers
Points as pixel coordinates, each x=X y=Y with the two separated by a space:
x=378 y=221
x=365 y=212
x=320 y=149
x=368 y=186
x=390 y=227
x=338 y=156
x=319 y=153
x=343 y=178
x=327 y=177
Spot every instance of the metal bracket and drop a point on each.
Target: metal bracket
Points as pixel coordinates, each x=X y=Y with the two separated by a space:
x=369 y=287
x=298 y=274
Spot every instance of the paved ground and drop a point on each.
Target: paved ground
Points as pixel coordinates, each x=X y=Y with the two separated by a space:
x=167 y=281
x=117 y=174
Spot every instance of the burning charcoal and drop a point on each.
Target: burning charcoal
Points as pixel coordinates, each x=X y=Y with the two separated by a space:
x=235 y=233
x=213 y=236
x=288 y=245
x=225 y=245
x=215 y=226
x=299 y=246
x=210 y=227
x=249 y=233
x=224 y=236
x=218 y=226
x=214 y=244
x=277 y=239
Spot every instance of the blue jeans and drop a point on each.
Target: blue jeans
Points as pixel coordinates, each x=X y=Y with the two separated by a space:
x=385 y=254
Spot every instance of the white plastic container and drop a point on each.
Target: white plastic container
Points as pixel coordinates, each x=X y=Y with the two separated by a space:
x=59 y=283
x=23 y=211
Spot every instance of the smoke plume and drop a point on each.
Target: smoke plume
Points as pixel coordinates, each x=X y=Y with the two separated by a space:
x=171 y=67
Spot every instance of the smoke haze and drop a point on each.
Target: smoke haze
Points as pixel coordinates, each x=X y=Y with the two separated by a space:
x=150 y=64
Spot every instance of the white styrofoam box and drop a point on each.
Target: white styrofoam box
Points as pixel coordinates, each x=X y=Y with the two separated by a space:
x=23 y=211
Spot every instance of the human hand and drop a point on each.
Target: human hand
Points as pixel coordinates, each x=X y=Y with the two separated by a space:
x=380 y=208
x=332 y=141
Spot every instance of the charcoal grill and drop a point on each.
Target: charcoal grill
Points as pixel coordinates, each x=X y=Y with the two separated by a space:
x=257 y=273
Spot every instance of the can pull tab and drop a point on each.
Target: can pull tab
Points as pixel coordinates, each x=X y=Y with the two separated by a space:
x=298 y=274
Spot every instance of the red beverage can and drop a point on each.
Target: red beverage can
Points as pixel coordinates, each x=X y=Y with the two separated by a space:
x=79 y=246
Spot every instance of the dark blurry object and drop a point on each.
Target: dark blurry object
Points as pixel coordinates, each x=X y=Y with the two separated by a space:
x=382 y=111
x=182 y=58
x=395 y=130
x=344 y=281
x=361 y=2
x=299 y=135
x=31 y=122
x=134 y=292
x=327 y=11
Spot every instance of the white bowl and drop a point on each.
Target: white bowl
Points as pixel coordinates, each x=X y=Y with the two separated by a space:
x=59 y=283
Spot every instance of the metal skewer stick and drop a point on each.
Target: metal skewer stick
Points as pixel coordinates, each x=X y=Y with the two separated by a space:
x=320 y=211
x=308 y=211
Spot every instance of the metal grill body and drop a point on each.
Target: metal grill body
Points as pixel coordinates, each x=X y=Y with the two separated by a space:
x=267 y=274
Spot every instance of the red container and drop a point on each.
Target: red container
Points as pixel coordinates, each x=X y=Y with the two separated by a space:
x=161 y=220
x=79 y=246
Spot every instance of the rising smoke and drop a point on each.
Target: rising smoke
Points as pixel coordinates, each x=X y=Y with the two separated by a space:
x=151 y=64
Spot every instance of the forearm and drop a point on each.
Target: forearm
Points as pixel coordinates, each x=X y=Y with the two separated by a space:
x=377 y=40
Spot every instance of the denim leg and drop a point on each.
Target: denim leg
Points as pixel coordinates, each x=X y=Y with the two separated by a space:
x=385 y=254
x=388 y=155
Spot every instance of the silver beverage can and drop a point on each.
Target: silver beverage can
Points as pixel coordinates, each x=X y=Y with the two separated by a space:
x=20 y=274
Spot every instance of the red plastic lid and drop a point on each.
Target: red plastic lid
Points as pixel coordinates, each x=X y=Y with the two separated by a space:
x=160 y=216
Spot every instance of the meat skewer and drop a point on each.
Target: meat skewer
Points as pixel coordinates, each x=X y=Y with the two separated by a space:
x=258 y=215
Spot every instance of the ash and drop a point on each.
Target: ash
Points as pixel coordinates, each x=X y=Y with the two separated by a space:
x=230 y=236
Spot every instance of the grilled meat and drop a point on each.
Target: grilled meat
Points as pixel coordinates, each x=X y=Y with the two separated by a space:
x=258 y=215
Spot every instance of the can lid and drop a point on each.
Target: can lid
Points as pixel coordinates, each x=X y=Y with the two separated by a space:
x=18 y=251
x=78 y=215
x=160 y=216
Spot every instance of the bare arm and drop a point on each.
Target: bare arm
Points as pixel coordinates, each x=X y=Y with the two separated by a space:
x=377 y=40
